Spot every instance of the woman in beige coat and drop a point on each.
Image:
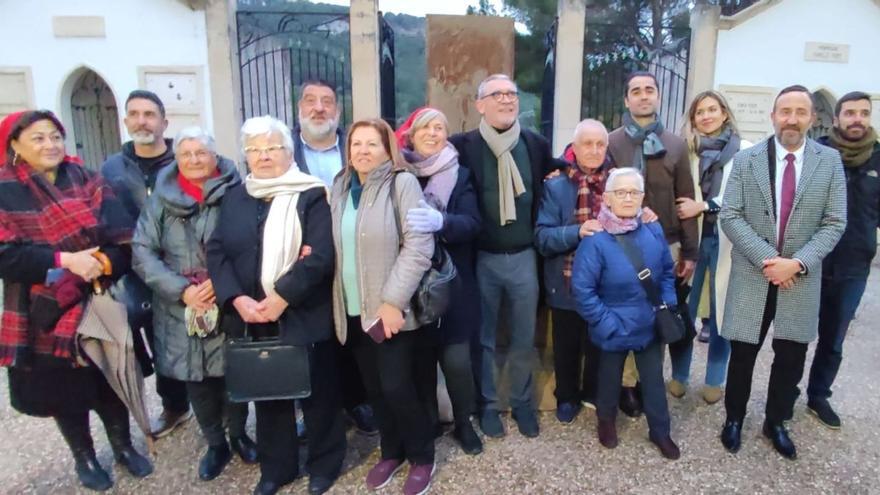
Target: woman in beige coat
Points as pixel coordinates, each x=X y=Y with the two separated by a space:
x=379 y=263
x=713 y=139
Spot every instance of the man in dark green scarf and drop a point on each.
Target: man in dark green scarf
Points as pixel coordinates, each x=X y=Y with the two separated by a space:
x=845 y=271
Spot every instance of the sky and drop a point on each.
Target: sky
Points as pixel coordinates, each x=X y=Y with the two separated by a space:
x=421 y=7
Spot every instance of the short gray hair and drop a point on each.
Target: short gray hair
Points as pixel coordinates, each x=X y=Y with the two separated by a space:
x=197 y=133
x=263 y=126
x=494 y=77
x=425 y=117
x=624 y=172
x=589 y=123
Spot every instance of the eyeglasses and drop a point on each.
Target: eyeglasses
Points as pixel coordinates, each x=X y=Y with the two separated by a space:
x=500 y=96
x=254 y=151
x=189 y=155
x=622 y=194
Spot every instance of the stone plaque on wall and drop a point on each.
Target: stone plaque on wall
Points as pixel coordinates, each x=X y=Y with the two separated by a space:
x=826 y=52
x=16 y=90
x=461 y=52
x=180 y=89
x=751 y=106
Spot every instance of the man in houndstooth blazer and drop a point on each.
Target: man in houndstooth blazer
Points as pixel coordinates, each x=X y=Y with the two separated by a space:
x=777 y=279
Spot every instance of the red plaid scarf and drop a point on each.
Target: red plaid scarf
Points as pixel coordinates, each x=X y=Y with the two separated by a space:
x=589 y=200
x=66 y=219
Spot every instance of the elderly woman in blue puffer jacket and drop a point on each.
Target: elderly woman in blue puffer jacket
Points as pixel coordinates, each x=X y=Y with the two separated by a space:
x=610 y=297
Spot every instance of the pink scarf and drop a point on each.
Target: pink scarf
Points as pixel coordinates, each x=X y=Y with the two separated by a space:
x=615 y=225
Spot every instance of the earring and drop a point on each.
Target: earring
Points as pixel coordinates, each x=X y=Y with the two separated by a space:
x=15 y=159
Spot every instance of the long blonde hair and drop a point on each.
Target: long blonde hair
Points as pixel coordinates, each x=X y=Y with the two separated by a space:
x=692 y=136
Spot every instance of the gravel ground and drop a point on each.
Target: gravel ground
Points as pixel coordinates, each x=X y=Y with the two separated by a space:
x=564 y=459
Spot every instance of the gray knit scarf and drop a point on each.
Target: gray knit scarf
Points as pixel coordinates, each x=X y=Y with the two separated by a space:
x=647 y=139
x=510 y=183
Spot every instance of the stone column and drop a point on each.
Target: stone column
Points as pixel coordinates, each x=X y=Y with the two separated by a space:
x=569 y=71
x=704 y=46
x=223 y=74
x=365 y=81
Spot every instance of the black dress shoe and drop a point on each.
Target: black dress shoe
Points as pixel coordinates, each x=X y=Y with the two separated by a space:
x=136 y=464
x=319 y=484
x=363 y=419
x=731 y=436
x=90 y=473
x=781 y=441
x=266 y=487
x=630 y=402
x=213 y=462
x=468 y=439
x=245 y=448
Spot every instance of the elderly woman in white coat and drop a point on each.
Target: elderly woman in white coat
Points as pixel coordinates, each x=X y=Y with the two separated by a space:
x=713 y=139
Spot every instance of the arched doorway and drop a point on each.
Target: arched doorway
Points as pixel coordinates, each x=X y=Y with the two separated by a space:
x=824 y=114
x=95 y=118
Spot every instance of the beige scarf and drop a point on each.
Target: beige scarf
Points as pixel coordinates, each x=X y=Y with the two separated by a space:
x=510 y=183
x=282 y=234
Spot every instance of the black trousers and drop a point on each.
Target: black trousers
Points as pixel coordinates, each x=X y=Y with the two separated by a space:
x=575 y=358
x=650 y=364
x=172 y=392
x=277 y=445
x=786 y=372
x=398 y=389
x=113 y=413
x=455 y=361
x=353 y=393
x=213 y=410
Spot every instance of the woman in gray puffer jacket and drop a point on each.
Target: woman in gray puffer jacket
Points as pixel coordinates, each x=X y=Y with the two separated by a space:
x=169 y=255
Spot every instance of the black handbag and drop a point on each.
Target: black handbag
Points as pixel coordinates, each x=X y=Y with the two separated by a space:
x=667 y=323
x=257 y=370
x=431 y=299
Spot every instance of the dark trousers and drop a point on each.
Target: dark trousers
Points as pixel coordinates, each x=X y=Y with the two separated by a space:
x=113 y=413
x=786 y=372
x=397 y=389
x=277 y=446
x=213 y=410
x=650 y=364
x=840 y=299
x=171 y=391
x=353 y=393
x=455 y=361
x=575 y=358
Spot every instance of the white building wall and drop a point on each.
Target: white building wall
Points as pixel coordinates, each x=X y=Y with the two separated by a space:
x=138 y=33
x=768 y=49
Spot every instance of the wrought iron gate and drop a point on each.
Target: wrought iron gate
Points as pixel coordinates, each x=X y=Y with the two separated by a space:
x=280 y=50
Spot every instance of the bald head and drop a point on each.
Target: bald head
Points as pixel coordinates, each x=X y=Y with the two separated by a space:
x=590 y=144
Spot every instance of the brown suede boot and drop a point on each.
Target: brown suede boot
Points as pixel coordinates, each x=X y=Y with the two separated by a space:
x=607 y=433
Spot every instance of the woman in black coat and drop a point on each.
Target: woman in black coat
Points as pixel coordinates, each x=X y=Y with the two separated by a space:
x=272 y=274
x=450 y=210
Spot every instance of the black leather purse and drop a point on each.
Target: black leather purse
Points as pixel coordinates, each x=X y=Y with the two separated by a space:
x=257 y=370
x=431 y=299
x=668 y=323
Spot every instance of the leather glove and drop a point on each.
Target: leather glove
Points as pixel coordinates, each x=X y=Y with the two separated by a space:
x=424 y=219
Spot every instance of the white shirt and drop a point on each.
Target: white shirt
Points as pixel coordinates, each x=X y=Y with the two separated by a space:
x=781 y=152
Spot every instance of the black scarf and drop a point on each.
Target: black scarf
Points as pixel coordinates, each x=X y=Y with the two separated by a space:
x=714 y=153
x=647 y=140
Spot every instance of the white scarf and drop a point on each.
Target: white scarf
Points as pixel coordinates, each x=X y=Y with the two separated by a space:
x=282 y=234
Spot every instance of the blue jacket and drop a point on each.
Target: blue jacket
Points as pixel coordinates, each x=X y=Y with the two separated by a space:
x=556 y=235
x=608 y=293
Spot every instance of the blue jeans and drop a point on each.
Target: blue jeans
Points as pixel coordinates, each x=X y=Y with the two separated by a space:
x=514 y=277
x=719 y=347
x=840 y=299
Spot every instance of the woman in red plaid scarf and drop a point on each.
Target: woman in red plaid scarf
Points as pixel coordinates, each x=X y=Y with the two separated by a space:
x=61 y=230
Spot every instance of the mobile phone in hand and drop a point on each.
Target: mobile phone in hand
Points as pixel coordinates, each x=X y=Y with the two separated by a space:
x=376 y=331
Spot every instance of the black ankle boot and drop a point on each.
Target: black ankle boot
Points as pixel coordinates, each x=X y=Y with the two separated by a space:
x=120 y=441
x=75 y=430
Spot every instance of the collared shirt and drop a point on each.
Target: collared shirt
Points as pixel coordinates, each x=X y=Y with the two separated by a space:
x=781 y=152
x=323 y=164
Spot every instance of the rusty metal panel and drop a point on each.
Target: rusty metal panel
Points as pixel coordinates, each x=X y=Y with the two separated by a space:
x=462 y=50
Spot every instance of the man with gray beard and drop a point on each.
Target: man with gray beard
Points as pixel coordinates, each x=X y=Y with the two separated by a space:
x=132 y=175
x=317 y=139
x=317 y=150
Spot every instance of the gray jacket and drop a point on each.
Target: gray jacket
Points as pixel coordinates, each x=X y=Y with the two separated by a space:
x=163 y=250
x=748 y=218
x=389 y=270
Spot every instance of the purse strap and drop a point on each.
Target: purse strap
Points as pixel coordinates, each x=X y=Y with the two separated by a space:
x=634 y=255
